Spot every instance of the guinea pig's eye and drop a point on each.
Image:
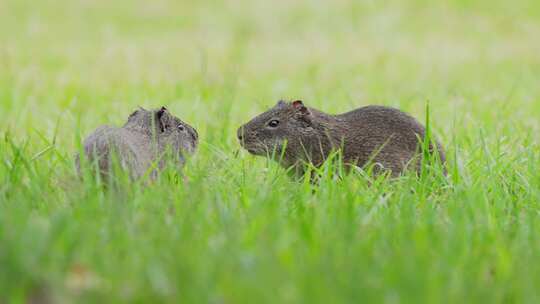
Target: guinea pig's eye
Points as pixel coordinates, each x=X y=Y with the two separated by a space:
x=181 y=127
x=273 y=123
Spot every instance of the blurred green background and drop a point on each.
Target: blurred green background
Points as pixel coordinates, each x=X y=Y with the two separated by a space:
x=239 y=230
x=96 y=60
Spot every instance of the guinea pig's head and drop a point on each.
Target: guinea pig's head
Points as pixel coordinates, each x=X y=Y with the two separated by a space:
x=282 y=126
x=169 y=130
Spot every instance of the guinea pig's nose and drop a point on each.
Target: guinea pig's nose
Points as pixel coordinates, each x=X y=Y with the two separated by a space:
x=240 y=134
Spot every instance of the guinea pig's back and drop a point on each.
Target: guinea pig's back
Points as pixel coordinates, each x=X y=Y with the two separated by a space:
x=391 y=133
x=107 y=143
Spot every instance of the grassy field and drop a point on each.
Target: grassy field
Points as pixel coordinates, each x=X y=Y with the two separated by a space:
x=238 y=229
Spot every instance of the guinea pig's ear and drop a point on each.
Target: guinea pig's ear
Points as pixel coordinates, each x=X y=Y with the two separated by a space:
x=161 y=119
x=298 y=105
x=133 y=114
x=302 y=113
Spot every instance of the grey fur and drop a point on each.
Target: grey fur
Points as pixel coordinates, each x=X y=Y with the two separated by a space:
x=380 y=135
x=141 y=144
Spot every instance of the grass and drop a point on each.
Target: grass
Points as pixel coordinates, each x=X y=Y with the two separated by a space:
x=238 y=229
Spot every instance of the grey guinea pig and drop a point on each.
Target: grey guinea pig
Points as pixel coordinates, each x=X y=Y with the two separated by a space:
x=140 y=146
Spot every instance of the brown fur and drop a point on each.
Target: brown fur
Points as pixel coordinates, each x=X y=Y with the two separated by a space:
x=380 y=135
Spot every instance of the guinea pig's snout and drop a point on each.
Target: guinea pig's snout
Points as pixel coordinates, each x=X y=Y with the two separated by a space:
x=194 y=135
x=240 y=134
